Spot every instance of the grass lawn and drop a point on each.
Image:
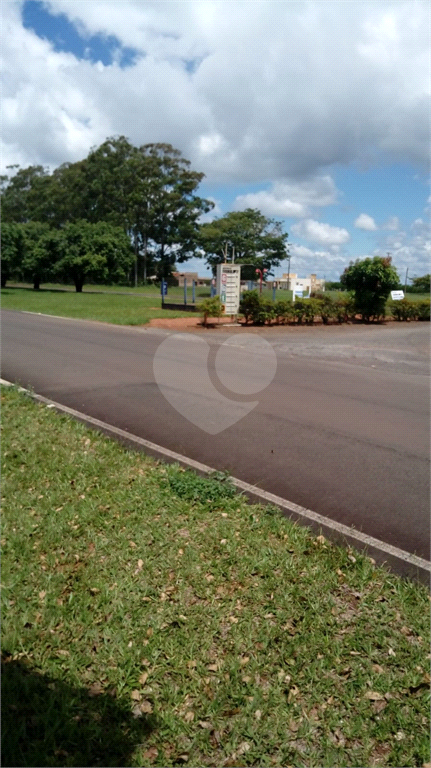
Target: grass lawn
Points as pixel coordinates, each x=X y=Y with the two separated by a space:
x=148 y=290
x=152 y=617
x=121 y=310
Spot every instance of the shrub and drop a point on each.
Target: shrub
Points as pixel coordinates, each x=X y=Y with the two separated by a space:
x=344 y=309
x=423 y=309
x=283 y=311
x=249 y=305
x=371 y=280
x=210 y=308
x=403 y=310
x=325 y=307
x=300 y=310
x=256 y=308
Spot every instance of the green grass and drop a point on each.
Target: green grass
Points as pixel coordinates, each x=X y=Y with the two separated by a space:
x=154 y=617
x=148 y=290
x=121 y=310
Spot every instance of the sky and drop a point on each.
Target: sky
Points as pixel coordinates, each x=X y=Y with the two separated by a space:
x=317 y=113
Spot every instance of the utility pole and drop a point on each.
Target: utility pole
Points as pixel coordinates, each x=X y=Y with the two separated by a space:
x=405 y=284
x=288 y=273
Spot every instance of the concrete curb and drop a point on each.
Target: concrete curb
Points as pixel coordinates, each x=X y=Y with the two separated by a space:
x=396 y=559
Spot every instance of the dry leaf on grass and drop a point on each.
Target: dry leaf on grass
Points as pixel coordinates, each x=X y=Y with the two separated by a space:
x=136 y=695
x=150 y=754
x=374 y=696
x=205 y=724
x=189 y=716
x=143 y=678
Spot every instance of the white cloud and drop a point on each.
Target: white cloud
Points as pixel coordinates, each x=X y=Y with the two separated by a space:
x=318 y=232
x=279 y=90
x=410 y=249
x=393 y=223
x=364 y=221
x=291 y=199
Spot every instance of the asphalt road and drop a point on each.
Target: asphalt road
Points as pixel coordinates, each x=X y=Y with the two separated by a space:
x=342 y=429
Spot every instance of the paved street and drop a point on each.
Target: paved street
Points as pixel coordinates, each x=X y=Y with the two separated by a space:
x=343 y=428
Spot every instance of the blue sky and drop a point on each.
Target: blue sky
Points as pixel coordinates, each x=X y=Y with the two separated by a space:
x=315 y=113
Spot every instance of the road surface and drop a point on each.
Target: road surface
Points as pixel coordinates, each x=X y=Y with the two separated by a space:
x=343 y=428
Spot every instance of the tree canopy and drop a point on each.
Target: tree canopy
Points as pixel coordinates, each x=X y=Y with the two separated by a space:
x=247 y=237
x=148 y=191
x=371 y=280
x=420 y=284
x=99 y=252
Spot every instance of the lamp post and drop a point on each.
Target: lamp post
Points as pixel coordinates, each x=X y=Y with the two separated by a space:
x=288 y=259
x=261 y=273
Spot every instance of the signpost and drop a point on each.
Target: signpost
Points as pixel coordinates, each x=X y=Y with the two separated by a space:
x=228 y=287
x=397 y=295
x=164 y=289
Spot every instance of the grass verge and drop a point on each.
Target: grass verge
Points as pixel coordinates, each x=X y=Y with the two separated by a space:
x=152 y=617
x=108 y=308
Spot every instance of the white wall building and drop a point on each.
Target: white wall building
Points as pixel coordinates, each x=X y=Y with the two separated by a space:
x=294 y=283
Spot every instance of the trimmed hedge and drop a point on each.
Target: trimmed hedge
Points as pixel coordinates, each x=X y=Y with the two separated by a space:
x=405 y=310
x=258 y=309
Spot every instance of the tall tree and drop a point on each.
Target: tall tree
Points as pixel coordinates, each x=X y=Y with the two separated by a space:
x=174 y=205
x=12 y=250
x=99 y=252
x=40 y=252
x=24 y=195
x=246 y=237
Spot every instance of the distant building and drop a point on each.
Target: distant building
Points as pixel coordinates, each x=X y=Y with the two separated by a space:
x=291 y=281
x=190 y=276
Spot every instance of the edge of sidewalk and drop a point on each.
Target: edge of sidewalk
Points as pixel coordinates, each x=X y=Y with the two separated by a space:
x=402 y=562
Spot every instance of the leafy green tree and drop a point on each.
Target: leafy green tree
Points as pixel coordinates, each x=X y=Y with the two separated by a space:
x=174 y=208
x=371 y=280
x=40 y=253
x=12 y=250
x=99 y=252
x=24 y=195
x=420 y=284
x=246 y=236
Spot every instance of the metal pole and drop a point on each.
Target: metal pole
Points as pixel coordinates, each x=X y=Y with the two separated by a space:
x=274 y=289
x=185 y=290
x=405 y=284
x=193 y=292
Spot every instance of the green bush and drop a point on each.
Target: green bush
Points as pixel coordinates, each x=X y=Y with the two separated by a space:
x=344 y=309
x=256 y=308
x=210 y=308
x=423 y=309
x=403 y=310
x=283 y=311
x=300 y=310
x=249 y=305
x=371 y=280
x=325 y=307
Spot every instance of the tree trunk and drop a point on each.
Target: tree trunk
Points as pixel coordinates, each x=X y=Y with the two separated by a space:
x=79 y=282
x=145 y=259
x=136 y=262
x=3 y=280
x=36 y=283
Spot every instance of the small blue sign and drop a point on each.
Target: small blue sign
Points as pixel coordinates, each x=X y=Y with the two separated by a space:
x=164 y=288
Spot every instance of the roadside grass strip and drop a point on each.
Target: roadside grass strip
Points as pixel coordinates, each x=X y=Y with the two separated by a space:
x=106 y=308
x=154 y=617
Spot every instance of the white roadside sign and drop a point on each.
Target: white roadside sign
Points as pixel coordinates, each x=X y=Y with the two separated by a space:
x=228 y=287
x=397 y=295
